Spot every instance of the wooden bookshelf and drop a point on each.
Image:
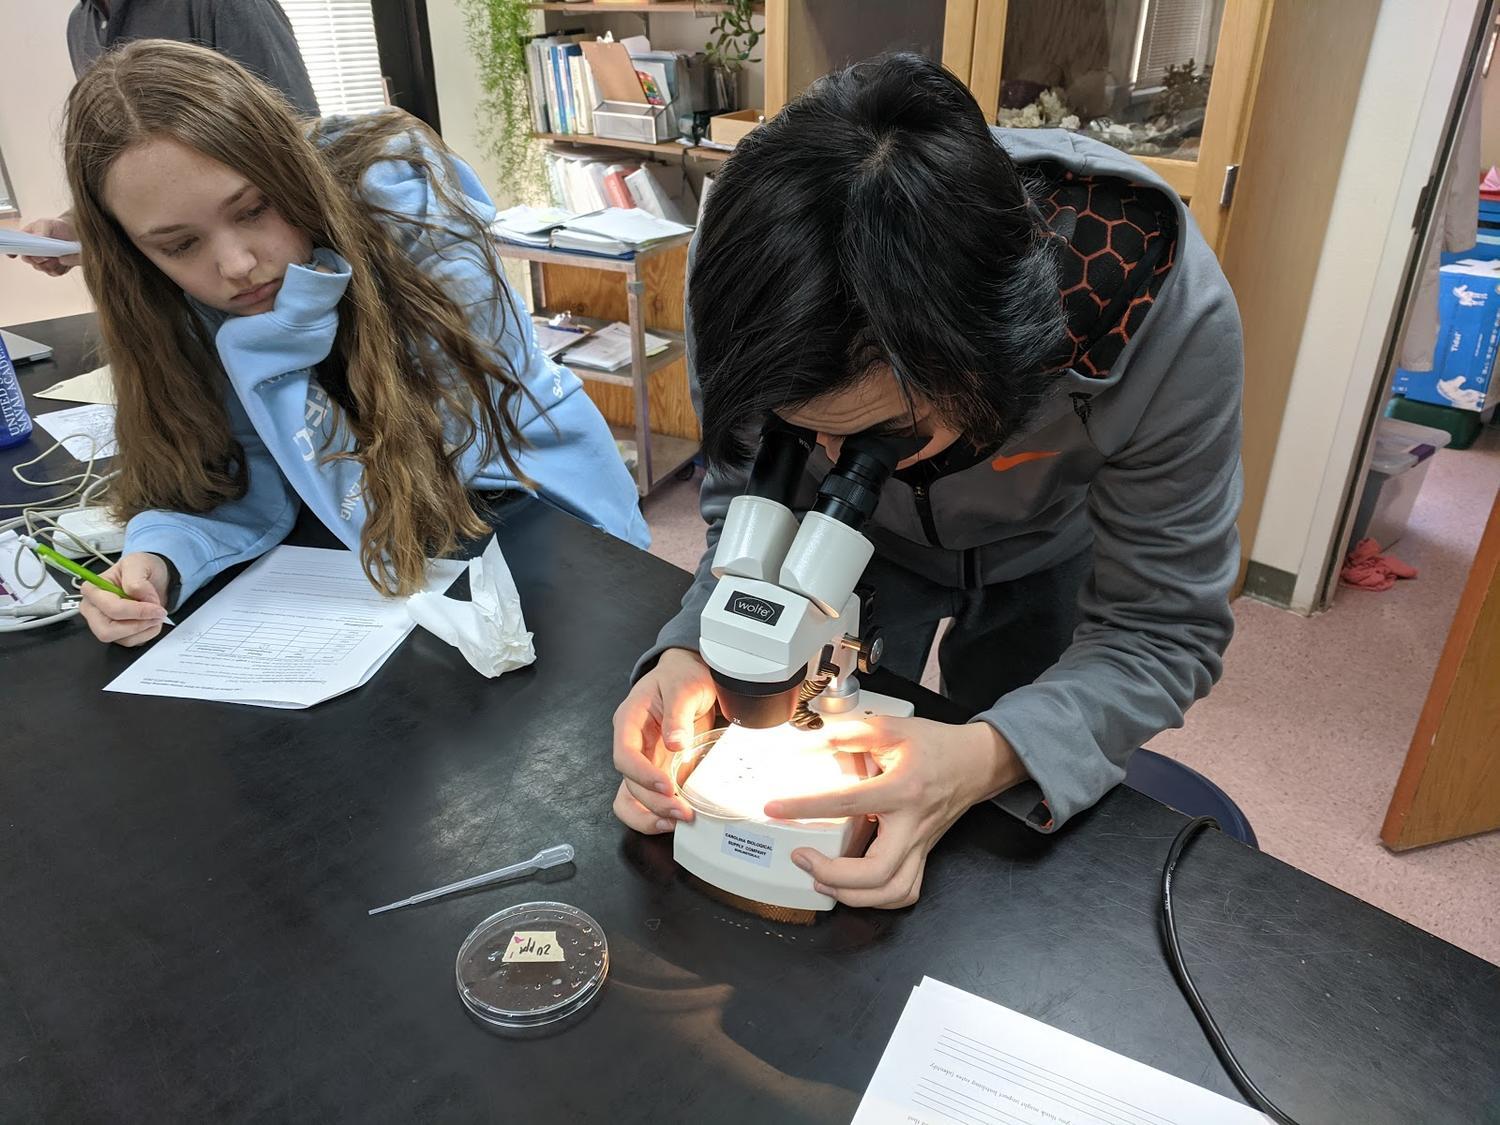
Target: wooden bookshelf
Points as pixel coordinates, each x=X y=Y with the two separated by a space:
x=650 y=403
x=593 y=289
x=663 y=148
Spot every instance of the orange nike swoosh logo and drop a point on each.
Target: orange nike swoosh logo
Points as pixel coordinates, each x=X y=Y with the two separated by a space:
x=1000 y=464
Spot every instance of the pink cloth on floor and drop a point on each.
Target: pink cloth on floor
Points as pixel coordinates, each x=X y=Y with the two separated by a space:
x=1367 y=569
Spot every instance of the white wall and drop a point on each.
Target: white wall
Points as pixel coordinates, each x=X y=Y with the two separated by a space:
x=34 y=82
x=457 y=76
x=1403 y=102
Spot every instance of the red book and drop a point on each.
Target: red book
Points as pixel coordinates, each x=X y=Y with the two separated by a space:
x=615 y=189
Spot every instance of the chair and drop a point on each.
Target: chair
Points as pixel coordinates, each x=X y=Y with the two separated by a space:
x=1188 y=791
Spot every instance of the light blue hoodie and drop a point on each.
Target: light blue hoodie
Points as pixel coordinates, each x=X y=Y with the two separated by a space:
x=286 y=423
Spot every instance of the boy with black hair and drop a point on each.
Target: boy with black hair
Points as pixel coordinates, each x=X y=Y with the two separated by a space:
x=1041 y=312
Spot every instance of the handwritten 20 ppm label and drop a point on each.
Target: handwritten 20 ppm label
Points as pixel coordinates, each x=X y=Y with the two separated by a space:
x=743 y=845
x=533 y=945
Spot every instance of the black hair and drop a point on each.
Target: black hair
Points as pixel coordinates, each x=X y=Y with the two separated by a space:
x=875 y=220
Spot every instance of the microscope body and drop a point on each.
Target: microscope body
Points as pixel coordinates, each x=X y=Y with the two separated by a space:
x=781 y=634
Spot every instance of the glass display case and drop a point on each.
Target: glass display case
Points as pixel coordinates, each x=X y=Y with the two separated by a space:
x=1134 y=74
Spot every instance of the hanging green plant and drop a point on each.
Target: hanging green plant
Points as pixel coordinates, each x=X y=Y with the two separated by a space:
x=734 y=36
x=498 y=31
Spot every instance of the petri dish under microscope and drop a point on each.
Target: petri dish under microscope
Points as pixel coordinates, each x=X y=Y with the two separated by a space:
x=532 y=969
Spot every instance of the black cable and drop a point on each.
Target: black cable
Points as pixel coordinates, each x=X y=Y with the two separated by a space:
x=1216 y=1039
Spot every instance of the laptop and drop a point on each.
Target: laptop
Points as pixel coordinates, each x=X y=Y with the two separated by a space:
x=21 y=350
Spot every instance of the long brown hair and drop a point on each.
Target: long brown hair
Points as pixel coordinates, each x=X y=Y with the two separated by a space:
x=405 y=346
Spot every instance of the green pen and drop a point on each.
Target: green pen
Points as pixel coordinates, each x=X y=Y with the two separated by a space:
x=47 y=554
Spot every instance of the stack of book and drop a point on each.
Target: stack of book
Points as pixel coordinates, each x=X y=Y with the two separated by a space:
x=585 y=180
x=613 y=232
x=563 y=92
x=609 y=348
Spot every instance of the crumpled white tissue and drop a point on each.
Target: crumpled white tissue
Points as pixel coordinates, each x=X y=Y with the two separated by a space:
x=489 y=629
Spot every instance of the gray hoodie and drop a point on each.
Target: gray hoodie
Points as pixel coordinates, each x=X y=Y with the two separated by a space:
x=254 y=33
x=1143 y=464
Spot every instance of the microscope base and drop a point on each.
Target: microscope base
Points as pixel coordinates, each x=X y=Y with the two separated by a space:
x=751 y=858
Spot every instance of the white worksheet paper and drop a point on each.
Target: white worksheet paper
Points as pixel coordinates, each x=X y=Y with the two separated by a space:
x=97 y=385
x=85 y=431
x=956 y=1059
x=300 y=626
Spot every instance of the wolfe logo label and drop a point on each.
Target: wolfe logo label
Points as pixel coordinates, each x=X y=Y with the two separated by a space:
x=758 y=609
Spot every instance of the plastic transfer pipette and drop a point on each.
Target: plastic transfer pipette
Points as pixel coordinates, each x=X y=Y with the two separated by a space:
x=547 y=857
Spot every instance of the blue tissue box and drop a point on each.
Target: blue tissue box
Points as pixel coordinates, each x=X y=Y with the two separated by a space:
x=1468 y=339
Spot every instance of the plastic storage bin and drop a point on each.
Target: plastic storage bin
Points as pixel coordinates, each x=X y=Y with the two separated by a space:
x=1403 y=454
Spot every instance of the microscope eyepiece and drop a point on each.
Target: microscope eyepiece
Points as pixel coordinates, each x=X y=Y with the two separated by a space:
x=851 y=490
x=779 y=461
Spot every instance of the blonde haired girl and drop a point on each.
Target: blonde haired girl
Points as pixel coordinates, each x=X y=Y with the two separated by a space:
x=304 y=312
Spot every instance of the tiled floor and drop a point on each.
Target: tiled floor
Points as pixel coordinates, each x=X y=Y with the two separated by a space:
x=1310 y=725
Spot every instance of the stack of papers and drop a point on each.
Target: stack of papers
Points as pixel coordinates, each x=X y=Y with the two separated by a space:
x=85 y=431
x=554 y=340
x=616 y=231
x=300 y=626
x=529 y=226
x=609 y=348
x=957 y=1058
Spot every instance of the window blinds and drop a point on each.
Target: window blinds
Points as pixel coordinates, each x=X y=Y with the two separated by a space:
x=337 y=38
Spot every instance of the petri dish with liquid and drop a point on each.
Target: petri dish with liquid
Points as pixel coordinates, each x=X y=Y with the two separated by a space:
x=532 y=969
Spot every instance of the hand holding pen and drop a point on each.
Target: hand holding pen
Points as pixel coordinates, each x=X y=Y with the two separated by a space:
x=126 y=604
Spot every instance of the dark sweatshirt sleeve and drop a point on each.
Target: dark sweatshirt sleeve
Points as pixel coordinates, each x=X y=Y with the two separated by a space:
x=1156 y=616
x=257 y=35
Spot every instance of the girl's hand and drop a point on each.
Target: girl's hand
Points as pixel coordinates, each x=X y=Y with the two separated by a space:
x=51 y=228
x=932 y=773
x=133 y=621
x=666 y=708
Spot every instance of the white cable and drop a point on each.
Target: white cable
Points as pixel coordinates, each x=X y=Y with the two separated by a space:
x=23 y=625
x=39 y=518
x=84 y=478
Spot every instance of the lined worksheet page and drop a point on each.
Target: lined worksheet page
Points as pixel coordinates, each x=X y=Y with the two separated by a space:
x=957 y=1058
x=300 y=626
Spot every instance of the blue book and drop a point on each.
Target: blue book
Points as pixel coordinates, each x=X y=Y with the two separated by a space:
x=564 y=125
x=575 y=117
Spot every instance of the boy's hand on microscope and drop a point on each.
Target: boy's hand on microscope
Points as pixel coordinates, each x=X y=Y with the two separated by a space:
x=668 y=706
x=931 y=774
x=128 y=621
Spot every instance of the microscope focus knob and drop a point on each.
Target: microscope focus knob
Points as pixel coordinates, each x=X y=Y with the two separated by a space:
x=871 y=650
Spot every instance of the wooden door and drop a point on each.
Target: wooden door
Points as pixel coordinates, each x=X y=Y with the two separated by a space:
x=1271 y=242
x=1450 y=784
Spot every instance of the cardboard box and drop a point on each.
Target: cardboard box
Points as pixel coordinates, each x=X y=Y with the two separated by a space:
x=1468 y=339
x=728 y=128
